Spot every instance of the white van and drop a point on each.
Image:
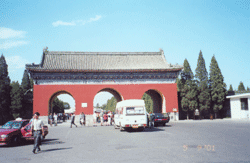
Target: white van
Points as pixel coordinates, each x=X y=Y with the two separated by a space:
x=130 y=114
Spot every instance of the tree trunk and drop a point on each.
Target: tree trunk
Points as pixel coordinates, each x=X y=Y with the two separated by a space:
x=215 y=115
x=187 y=116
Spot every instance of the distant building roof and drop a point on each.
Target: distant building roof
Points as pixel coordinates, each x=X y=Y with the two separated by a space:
x=102 y=61
x=244 y=95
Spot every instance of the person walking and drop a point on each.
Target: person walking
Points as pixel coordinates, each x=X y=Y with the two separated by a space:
x=105 y=118
x=55 y=119
x=101 y=116
x=37 y=127
x=50 y=119
x=72 y=120
x=151 y=119
x=82 y=118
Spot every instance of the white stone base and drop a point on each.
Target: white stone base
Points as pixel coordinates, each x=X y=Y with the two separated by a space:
x=44 y=119
x=174 y=116
x=89 y=120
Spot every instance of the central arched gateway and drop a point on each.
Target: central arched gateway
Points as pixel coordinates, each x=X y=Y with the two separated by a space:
x=127 y=75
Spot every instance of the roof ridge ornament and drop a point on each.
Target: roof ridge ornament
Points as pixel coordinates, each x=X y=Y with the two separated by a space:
x=45 y=49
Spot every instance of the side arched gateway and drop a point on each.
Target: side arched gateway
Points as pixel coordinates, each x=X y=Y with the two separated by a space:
x=127 y=75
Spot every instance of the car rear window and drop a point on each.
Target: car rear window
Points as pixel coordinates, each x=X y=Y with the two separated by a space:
x=135 y=110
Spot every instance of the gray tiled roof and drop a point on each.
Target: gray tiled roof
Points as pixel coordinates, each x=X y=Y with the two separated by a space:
x=65 y=60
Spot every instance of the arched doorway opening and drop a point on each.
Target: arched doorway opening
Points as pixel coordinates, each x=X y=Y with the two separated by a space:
x=104 y=101
x=154 y=101
x=106 y=96
x=61 y=102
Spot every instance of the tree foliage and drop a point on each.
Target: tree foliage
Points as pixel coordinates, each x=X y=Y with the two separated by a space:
x=5 y=89
x=58 y=106
x=27 y=92
x=217 y=85
x=16 y=95
x=188 y=89
x=148 y=102
x=111 y=104
x=201 y=76
x=241 y=87
x=231 y=88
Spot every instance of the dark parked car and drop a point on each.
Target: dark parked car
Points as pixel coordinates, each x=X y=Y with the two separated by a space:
x=10 y=132
x=161 y=119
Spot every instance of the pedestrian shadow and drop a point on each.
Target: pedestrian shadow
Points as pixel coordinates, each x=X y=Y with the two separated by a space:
x=155 y=129
x=31 y=142
x=52 y=142
x=55 y=149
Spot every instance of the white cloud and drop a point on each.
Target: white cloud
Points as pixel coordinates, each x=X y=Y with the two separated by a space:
x=16 y=62
x=6 y=33
x=59 y=22
x=11 y=44
x=97 y=17
x=77 y=22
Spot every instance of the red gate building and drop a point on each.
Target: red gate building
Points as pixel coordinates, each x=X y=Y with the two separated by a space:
x=82 y=75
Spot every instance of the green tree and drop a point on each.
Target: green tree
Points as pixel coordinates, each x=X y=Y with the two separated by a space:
x=241 y=87
x=58 y=106
x=27 y=101
x=218 y=87
x=5 y=89
x=231 y=88
x=248 y=89
x=201 y=76
x=188 y=89
x=111 y=104
x=16 y=95
x=148 y=102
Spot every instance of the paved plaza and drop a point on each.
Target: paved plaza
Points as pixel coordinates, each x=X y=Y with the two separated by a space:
x=182 y=141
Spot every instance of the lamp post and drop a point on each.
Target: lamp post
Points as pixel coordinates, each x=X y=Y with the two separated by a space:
x=28 y=91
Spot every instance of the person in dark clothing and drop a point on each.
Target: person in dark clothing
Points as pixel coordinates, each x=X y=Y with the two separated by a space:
x=151 y=120
x=72 y=120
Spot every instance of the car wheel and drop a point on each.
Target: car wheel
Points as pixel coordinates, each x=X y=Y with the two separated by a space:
x=16 y=140
x=164 y=124
x=140 y=129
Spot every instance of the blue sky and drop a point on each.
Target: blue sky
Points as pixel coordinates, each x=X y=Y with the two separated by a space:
x=180 y=28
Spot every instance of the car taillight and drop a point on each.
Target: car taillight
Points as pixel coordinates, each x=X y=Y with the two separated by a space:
x=144 y=124
x=127 y=125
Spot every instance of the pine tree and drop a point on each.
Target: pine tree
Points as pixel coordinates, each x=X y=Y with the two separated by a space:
x=231 y=88
x=241 y=87
x=188 y=89
x=4 y=92
x=248 y=89
x=16 y=99
x=201 y=76
x=218 y=87
x=27 y=101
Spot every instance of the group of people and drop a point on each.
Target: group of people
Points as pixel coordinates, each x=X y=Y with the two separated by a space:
x=104 y=118
x=55 y=118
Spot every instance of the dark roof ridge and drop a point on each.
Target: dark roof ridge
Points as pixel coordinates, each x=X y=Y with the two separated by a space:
x=100 y=53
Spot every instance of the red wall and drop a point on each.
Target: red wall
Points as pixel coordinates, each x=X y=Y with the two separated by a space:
x=83 y=93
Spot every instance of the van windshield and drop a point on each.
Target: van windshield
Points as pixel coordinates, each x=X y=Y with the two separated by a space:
x=135 y=110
